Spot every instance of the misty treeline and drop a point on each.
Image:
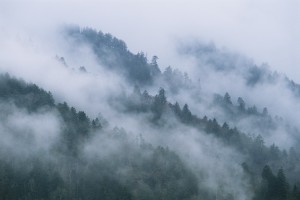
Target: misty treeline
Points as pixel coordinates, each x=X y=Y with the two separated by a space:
x=50 y=150
x=226 y=61
x=114 y=54
x=116 y=168
x=258 y=155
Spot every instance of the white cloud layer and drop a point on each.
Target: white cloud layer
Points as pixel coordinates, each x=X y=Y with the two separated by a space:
x=266 y=30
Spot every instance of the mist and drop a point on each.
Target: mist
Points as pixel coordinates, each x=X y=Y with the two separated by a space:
x=212 y=47
x=90 y=92
x=255 y=28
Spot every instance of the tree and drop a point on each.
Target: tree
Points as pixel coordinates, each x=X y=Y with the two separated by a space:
x=267 y=173
x=186 y=114
x=161 y=97
x=252 y=110
x=154 y=60
x=268 y=184
x=227 y=98
x=225 y=126
x=282 y=185
x=96 y=124
x=213 y=127
x=159 y=104
x=274 y=153
x=242 y=105
x=82 y=116
x=177 y=109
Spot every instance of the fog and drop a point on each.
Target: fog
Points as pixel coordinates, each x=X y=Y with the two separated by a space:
x=267 y=31
x=247 y=33
x=91 y=92
x=25 y=135
x=219 y=70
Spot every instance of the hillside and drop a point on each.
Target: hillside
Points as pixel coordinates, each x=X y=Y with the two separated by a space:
x=157 y=134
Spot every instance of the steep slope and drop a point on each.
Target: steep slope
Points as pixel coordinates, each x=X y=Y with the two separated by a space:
x=114 y=54
x=150 y=146
x=216 y=72
x=78 y=159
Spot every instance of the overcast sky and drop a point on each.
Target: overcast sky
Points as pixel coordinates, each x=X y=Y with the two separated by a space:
x=265 y=30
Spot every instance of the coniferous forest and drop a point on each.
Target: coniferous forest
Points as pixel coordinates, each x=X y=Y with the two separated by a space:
x=97 y=121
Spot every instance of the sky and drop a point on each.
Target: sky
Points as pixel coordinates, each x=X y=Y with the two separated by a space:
x=265 y=30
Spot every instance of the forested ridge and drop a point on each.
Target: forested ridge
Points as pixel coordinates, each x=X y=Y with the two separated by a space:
x=69 y=155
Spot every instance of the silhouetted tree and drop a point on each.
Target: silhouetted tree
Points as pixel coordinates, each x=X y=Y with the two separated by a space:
x=282 y=185
x=159 y=104
x=242 y=105
x=186 y=114
x=227 y=98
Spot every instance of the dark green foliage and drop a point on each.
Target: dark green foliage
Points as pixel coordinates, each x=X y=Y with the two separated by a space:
x=77 y=127
x=252 y=110
x=176 y=108
x=282 y=185
x=114 y=54
x=239 y=110
x=134 y=172
x=23 y=95
x=227 y=98
x=186 y=114
x=241 y=104
x=130 y=172
x=254 y=148
x=28 y=180
x=138 y=170
x=96 y=124
x=274 y=187
x=162 y=176
x=159 y=104
x=237 y=113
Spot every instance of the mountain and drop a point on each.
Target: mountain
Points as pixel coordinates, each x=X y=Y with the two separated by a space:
x=162 y=135
x=113 y=53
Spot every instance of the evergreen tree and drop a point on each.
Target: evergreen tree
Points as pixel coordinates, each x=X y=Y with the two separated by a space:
x=159 y=104
x=269 y=183
x=282 y=185
x=241 y=104
x=227 y=98
x=177 y=109
x=186 y=114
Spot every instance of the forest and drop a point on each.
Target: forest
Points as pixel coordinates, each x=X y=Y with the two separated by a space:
x=161 y=136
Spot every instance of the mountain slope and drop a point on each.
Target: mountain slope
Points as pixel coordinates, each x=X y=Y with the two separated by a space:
x=185 y=142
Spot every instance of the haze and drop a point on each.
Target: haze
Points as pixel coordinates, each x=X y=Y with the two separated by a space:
x=267 y=31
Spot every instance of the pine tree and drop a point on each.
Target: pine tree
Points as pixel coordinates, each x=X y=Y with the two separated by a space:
x=159 y=104
x=227 y=98
x=282 y=185
x=242 y=105
x=186 y=114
